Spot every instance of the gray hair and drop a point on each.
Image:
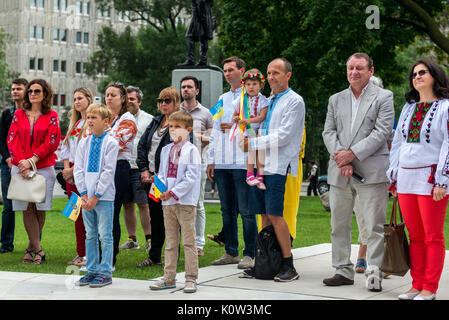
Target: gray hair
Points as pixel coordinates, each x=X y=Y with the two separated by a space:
x=376 y=81
x=138 y=92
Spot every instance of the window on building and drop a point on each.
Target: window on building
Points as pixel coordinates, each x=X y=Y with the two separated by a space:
x=78 y=37
x=86 y=8
x=40 y=32
x=33 y=3
x=63 y=5
x=63 y=35
x=63 y=66
x=32 y=63
x=33 y=32
x=55 y=65
x=41 y=3
x=62 y=100
x=79 y=7
x=78 y=67
x=55 y=34
x=40 y=64
x=86 y=37
x=55 y=99
x=56 y=5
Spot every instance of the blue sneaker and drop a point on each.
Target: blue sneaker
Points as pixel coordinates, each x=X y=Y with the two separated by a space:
x=87 y=279
x=100 y=281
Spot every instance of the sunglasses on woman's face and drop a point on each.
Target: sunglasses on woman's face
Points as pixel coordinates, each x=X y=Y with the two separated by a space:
x=36 y=92
x=166 y=101
x=420 y=73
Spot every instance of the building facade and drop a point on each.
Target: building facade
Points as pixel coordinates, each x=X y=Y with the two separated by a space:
x=53 y=40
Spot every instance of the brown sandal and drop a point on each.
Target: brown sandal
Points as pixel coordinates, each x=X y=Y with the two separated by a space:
x=26 y=260
x=147 y=263
x=41 y=257
x=216 y=239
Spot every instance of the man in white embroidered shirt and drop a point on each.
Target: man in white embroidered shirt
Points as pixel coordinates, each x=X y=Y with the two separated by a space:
x=358 y=123
x=281 y=136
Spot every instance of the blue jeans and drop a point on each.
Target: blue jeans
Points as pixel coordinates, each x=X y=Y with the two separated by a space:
x=8 y=216
x=233 y=200
x=98 y=223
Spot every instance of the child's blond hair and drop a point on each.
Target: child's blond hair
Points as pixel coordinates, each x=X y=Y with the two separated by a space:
x=99 y=109
x=182 y=116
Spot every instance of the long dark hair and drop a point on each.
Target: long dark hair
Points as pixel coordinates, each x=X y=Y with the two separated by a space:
x=48 y=95
x=440 y=85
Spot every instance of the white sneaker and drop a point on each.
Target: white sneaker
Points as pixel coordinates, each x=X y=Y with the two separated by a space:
x=190 y=287
x=246 y=263
x=129 y=245
x=373 y=279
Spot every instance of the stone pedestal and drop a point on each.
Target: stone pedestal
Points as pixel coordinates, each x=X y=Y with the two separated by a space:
x=211 y=84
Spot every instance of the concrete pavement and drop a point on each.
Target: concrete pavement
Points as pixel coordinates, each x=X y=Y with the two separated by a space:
x=216 y=283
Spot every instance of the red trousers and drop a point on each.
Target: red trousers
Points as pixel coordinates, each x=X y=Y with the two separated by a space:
x=80 y=231
x=424 y=219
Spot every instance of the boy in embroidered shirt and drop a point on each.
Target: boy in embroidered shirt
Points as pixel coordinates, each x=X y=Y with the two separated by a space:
x=253 y=82
x=180 y=172
x=95 y=164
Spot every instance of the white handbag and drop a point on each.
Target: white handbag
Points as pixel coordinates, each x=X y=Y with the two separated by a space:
x=28 y=190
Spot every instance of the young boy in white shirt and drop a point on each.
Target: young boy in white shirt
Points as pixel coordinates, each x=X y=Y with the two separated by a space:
x=180 y=171
x=95 y=165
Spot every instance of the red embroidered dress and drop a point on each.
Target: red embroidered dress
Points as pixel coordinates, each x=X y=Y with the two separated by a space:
x=42 y=142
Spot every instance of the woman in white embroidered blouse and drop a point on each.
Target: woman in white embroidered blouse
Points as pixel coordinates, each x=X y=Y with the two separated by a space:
x=82 y=98
x=419 y=174
x=124 y=129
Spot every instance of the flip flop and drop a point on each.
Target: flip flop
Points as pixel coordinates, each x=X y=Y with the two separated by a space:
x=216 y=239
x=361 y=265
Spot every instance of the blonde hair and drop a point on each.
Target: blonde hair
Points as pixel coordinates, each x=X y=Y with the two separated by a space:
x=183 y=117
x=170 y=93
x=75 y=115
x=99 y=109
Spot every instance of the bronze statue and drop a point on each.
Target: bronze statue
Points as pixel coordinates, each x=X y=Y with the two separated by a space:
x=200 y=30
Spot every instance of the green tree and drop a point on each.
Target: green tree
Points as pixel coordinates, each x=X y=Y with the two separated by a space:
x=5 y=74
x=317 y=37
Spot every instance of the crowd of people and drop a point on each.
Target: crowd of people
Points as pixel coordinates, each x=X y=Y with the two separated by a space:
x=116 y=155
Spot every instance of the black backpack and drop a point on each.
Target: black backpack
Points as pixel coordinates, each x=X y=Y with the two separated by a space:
x=267 y=263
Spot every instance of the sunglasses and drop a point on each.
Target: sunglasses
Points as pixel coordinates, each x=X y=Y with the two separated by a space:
x=167 y=101
x=37 y=91
x=420 y=73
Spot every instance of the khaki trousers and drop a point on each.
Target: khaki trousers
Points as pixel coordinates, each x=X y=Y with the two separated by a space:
x=182 y=217
x=373 y=202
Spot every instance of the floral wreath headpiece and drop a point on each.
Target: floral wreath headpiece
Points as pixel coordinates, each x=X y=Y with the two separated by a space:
x=253 y=76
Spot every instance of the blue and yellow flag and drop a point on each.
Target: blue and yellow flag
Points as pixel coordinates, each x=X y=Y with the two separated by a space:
x=157 y=188
x=217 y=110
x=73 y=207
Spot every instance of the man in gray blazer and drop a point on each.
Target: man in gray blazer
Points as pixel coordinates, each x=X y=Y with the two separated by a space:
x=358 y=123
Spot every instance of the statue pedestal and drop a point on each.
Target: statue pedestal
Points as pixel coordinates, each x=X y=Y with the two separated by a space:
x=211 y=83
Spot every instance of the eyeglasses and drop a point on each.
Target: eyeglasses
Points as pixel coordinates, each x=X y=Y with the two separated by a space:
x=36 y=92
x=420 y=73
x=167 y=101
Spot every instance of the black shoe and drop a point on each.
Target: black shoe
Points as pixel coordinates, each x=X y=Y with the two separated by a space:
x=337 y=280
x=286 y=274
x=248 y=273
x=4 y=250
x=187 y=63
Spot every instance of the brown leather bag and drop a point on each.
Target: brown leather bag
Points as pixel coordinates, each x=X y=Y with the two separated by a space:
x=396 y=259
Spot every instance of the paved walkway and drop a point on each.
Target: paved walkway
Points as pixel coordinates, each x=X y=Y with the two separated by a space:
x=216 y=283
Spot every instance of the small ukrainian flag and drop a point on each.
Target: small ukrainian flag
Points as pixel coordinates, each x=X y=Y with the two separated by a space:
x=73 y=207
x=217 y=110
x=157 y=188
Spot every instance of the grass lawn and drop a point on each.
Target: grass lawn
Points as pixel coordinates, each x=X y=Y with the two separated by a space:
x=58 y=241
